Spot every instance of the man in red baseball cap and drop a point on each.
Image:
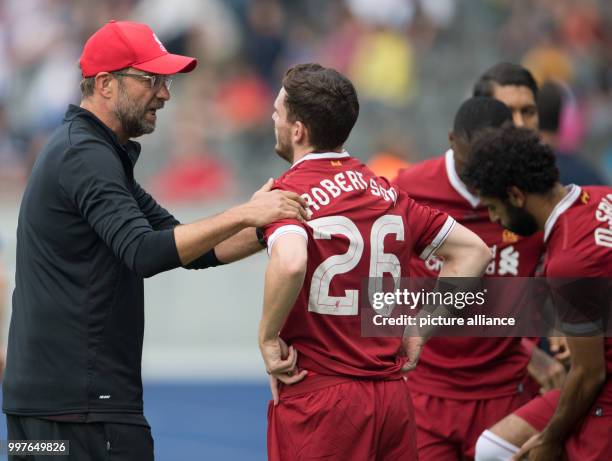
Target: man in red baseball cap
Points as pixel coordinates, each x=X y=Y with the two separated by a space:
x=129 y=58
x=88 y=235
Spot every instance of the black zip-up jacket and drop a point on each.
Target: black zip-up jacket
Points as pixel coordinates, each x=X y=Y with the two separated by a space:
x=87 y=236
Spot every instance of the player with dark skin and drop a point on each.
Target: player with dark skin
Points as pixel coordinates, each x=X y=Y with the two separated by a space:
x=524 y=196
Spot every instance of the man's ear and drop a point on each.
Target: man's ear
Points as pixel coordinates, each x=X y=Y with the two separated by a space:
x=299 y=133
x=516 y=197
x=104 y=84
x=451 y=139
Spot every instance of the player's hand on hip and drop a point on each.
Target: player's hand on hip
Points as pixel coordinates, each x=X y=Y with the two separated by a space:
x=267 y=205
x=281 y=365
x=411 y=349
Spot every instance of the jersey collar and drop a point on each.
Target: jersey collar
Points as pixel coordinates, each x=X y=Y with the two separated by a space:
x=573 y=192
x=322 y=155
x=456 y=181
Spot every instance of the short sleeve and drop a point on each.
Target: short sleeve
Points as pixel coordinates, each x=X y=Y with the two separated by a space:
x=428 y=227
x=285 y=226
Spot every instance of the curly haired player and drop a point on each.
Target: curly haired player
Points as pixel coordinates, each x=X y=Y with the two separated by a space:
x=516 y=178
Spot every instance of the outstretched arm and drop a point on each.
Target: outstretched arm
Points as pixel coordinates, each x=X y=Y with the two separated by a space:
x=465 y=255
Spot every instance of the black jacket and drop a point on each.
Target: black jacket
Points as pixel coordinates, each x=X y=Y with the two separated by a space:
x=87 y=236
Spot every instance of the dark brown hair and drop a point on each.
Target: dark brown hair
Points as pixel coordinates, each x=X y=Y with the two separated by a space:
x=324 y=100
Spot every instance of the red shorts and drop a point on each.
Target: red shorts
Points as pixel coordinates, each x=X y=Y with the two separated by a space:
x=350 y=420
x=538 y=411
x=447 y=429
x=591 y=441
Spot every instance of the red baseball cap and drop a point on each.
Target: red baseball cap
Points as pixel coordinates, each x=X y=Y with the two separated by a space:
x=121 y=44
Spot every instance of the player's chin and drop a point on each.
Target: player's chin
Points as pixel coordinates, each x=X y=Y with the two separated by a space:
x=282 y=153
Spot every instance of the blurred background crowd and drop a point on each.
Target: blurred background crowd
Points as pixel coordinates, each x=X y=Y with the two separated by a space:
x=413 y=62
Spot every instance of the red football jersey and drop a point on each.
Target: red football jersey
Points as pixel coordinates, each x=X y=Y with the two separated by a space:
x=469 y=368
x=578 y=236
x=360 y=228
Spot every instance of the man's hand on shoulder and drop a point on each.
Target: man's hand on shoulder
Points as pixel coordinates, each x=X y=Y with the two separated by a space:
x=267 y=206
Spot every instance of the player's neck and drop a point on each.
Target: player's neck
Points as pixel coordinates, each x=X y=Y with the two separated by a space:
x=545 y=204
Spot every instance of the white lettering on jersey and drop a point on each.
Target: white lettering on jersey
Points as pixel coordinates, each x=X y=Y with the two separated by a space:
x=603 y=235
x=310 y=202
x=508 y=261
x=381 y=263
x=341 y=181
x=354 y=180
x=318 y=197
x=331 y=187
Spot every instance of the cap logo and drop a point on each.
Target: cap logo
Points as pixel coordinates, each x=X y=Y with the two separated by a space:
x=161 y=45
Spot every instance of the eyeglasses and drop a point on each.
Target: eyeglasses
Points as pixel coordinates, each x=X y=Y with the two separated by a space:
x=155 y=81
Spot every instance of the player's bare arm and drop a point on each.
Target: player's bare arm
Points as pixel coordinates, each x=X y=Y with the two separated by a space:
x=546 y=370
x=582 y=385
x=465 y=255
x=239 y=246
x=266 y=206
x=283 y=282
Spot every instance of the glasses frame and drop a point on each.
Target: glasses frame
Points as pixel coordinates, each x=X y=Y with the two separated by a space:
x=155 y=81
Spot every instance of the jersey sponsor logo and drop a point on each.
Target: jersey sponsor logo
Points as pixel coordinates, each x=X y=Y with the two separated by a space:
x=509 y=236
x=603 y=213
x=508 y=261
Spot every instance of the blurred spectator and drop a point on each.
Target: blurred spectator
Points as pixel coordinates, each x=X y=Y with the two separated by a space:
x=214 y=25
x=549 y=61
x=265 y=37
x=410 y=60
x=572 y=168
x=394 y=150
x=383 y=68
x=12 y=151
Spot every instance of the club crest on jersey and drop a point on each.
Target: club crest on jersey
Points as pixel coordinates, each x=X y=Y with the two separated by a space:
x=509 y=236
x=585 y=197
x=336 y=163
